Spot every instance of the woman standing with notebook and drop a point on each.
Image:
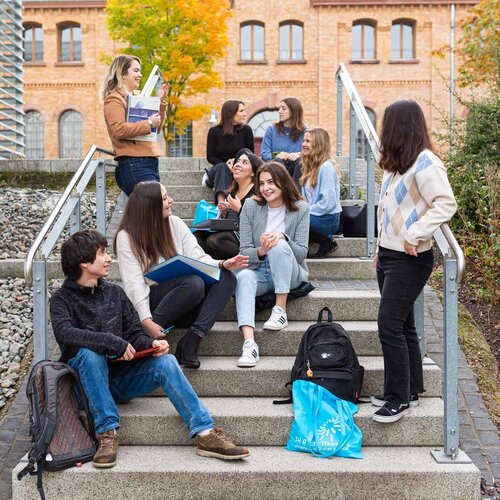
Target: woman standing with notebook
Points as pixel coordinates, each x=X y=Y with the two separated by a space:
x=137 y=159
x=149 y=234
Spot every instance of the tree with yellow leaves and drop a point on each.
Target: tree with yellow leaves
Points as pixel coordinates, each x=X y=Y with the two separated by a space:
x=184 y=38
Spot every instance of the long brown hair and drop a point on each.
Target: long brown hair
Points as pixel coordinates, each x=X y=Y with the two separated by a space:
x=403 y=137
x=227 y=112
x=296 y=118
x=321 y=152
x=255 y=161
x=117 y=70
x=149 y=232
x=283 y=180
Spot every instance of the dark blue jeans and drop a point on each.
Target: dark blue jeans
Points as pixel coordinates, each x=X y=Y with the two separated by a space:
x=323 y=226
x=131 y=170
x=107 y=384
x=401 y=278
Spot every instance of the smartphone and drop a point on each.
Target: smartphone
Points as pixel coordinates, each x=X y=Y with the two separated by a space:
x=166 y=330
x=138 y=354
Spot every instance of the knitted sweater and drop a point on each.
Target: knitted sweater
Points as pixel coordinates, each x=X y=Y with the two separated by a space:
x=325 y=197
x=274 y=142
x=221 y=148
x=121 y=132
x=132 y=273
x=413 y=205
x=100 y=318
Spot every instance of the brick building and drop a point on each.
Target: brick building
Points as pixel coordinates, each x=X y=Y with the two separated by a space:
x=279 y=48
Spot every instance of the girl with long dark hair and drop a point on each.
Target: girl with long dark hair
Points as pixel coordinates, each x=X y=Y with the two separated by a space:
x=415 y=199
x=149 y=234
x=137 y=160
x=283 y=140
x=223 y=142
x=321 y=189
x=226 y=244
x=274 y=230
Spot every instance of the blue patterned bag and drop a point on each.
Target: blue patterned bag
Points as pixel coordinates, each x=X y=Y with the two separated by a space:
x=323 y=423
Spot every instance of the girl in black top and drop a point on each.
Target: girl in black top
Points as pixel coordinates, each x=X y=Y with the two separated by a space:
x=225 y=244
x=223 y=142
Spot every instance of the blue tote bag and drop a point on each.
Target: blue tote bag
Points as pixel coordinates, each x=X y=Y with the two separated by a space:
x=323 y=423
x=204 y=211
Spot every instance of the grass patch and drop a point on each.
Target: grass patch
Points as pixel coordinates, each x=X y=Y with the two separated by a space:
x=482 y=362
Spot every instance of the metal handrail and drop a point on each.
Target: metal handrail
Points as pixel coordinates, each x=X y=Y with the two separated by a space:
x=28 y=261
x=455 y=247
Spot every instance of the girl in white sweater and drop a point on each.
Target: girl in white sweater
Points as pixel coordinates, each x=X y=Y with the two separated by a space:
x=415 y=199
x=149 y=234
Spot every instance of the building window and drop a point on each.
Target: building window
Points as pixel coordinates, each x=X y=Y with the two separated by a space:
x=403 y=40
x=34 y=135
x=363 y=40
x=252 y=41
x=182 y=144
x=259 y=123
x=291 y=41
x=362 y=146
x=70 y=43
x=33 y=43
x=70 y=135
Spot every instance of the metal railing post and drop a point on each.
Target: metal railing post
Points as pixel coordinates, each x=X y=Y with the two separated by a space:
x=40 y=316
x=418 y=310
x=370 y=206
x=339 y=115
x=75 y=221
x=352 y=152
x=100 y=191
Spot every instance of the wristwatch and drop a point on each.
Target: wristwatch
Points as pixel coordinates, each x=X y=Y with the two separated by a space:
x=151 y=124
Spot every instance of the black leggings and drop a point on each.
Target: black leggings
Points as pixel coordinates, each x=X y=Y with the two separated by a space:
x=219 y=245
x=187 y=303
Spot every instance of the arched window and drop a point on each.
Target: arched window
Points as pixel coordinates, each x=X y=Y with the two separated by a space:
x=259 y=123
x=363 y=40
x=33 y=42
x=70 y=135
x=362 y=147
x=403 y=39
x=34 y=135
x=291 y=41
x=182 y=144
x=252 y=41
x=70 y=42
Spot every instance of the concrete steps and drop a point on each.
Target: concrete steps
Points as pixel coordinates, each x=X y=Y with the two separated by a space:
x=257 y=422
x=218 y=376
x=270 y=473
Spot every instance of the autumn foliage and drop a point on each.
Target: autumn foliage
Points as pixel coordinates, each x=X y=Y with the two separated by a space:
x=184 y=38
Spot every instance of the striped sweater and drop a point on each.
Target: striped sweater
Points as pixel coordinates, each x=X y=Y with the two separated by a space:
x=413 y=205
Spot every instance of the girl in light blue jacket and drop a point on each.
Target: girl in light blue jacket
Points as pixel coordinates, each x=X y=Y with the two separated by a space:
x=321 y=189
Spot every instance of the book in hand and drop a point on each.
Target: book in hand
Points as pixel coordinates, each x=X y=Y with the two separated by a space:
x=180 y=265
x=140 y=108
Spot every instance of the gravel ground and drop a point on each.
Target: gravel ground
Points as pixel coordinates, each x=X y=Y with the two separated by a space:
x=22 y=214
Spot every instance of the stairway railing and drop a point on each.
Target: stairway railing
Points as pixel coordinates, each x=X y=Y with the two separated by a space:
x=453 y=261
x=67 y=209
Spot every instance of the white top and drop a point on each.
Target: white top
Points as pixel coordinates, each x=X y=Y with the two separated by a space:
x=132 y=273
x=276 y=219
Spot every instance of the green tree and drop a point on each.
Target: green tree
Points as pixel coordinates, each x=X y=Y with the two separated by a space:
x=184 y=38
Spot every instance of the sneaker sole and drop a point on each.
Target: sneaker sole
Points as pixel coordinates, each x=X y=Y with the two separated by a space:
x=212 y=454
x=275 y=328
x=381 y=402
x=104 y=466
x=389 y=420
x=247 y=364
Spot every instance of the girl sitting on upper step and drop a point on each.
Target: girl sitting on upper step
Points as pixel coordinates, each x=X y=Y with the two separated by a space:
x=149 y=234
x=226 y=244
x=321 y=188
x=274 y=229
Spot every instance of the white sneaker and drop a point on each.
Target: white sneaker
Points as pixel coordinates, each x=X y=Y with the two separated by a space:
x=250 y=355
x=204 y=181
x=277 y=321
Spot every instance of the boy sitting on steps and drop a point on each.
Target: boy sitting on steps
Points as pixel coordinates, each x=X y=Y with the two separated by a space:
x=94 y=320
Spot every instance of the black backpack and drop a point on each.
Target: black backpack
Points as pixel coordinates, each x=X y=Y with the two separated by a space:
x=327 y=358
x=60 y=436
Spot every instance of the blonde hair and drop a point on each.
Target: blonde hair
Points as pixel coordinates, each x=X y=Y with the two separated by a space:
x=321 y=152
x=117 y=70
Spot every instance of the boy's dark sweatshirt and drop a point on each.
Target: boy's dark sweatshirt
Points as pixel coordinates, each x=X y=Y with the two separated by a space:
x=100 y=318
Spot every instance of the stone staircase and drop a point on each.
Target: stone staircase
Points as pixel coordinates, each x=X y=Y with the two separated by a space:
x=158 y=461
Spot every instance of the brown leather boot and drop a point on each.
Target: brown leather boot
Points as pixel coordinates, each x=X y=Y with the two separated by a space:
x=217 y=444
x=107 y=450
